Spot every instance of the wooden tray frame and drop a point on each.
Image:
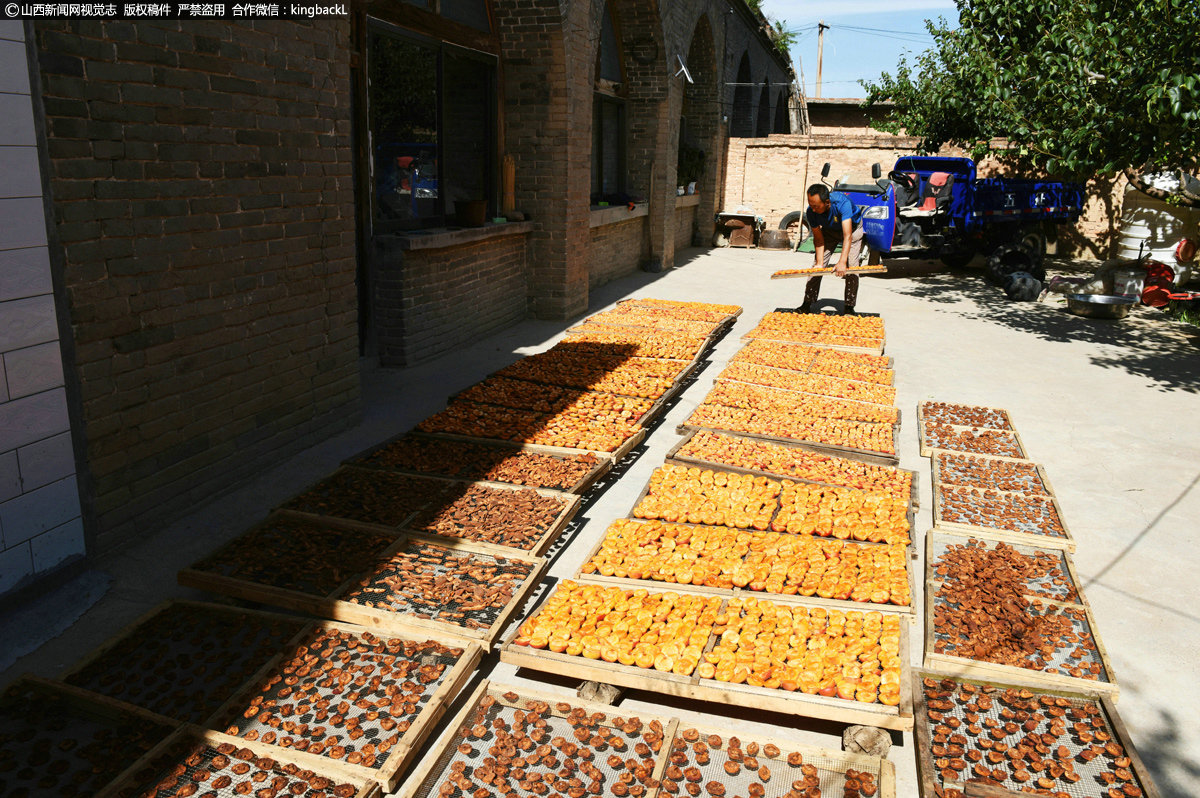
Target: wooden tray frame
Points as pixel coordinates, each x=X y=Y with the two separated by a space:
x=579 y=488
x=824 y=272
x=1066 y=543
x=706 y=342
x=449 y=739
x=802 y=704
x=367 y=788
x=351 y=522
x=963 y=666
x=573 y=504
x=674 y=457
x=865 y=350
x=924 y=740
x=641 y=303
x=861 y=455
x=937 y=454
x=400 y=756
x=957 y=536
x=333 y=607
x=102 y=705
x=891 y=366
x=132 y=627
x=927 y=449
x=909 y=516
x=719 y=328
x=625 y=448
x=644 y=419
x=719 y=379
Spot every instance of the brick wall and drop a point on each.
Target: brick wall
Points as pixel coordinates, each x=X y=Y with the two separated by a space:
x=430 y=301
x=773 y=174
x=41 y=524
x=202 y=182
x=616 y=250
x=685 y=226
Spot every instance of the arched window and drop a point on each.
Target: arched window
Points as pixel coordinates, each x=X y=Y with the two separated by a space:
x=783 y=119
x=742 y=124
x=608 y=112
x=763 y=127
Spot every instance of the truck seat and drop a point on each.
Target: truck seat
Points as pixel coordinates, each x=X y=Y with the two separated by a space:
x=936 y=194
x=908 y=197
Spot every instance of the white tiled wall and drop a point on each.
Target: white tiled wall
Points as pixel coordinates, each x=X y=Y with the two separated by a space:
x=40 y=523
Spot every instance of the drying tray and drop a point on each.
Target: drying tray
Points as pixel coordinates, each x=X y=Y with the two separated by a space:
x=645 y=419
x=797 y=703
x=581 y=486
x=929 y=445
x=929 y=776
x=675 y=456
x=789 y=274
x=909 y=515
x=193 y=744
x=1010 y=426
x=1049 y=505
x=831 y=765
x=730 y=317
x=769 y=335
x=59 y=740
x=890 y=365
x=387 y=513
x=630 y=583
x=348 y=647
x=937 y=541
x=484 y=626
x=861 y=455
x=722 y=378
x=179 y=644
x=871 y=406
x=625 y=448
x=1034 y=475
x=1086 y=624
x=700 y=345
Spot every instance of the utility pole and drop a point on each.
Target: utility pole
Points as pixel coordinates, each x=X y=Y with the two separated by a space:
x=821 y=28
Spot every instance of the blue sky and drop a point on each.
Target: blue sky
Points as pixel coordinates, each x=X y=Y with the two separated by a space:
x=853 y=55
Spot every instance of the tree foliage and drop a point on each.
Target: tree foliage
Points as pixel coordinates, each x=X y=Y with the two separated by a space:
x=1080 y=87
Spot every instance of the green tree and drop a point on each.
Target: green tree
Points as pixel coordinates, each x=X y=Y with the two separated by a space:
x=1078 y=87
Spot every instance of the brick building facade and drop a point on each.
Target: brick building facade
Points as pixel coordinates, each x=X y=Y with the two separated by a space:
x=234 y=212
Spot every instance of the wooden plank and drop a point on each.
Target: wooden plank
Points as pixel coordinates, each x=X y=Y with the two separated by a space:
x=781 y=275
x=1067 y=542
x=674 y=456
x=964 y=666
x=861 y=455
x=926 y=772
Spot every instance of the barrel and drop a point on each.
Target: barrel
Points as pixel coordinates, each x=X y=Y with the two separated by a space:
x=774 y=239
x=1153 y=228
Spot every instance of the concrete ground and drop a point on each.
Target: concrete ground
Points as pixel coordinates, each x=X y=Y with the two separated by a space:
x=1106 y=407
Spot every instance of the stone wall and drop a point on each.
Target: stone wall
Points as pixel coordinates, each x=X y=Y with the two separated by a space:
x=201 y=174
x=41 y=519
x=685 y=226
x=430 y=301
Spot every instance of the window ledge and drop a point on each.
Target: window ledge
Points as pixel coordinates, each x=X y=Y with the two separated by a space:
x=442 y=237
x=611 y=214
x=686 y=200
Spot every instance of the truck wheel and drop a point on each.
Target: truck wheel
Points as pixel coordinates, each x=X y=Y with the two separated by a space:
x=1036 y=239
x=958 y=260
x=795 y=219
x=1011 y=258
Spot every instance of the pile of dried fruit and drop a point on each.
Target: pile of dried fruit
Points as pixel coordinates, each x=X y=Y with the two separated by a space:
x=734 y=450
x=767 y=561
x=596 y=429
x=293 y=554
x=819 y=328
x=330 y=698
x=1016 y=512
x=991 y=735
x=983 y=441
x=810 y=383
x=664 y=631
x=974 y=564
x=518 y=518
x=843 y=513
x=482 y=421
x=855 y=366
x=374 y=497
x=964 y=416
x=682 y=308
x=988 y=474
x=629 y=376
x=672 y=346
x=433 y=582
x=645 y=318
x=518 y=393
x=692 y=495
x=852 y=655
x=864 y=436
x=186 y=661
x=478 y=461
x=772 y=400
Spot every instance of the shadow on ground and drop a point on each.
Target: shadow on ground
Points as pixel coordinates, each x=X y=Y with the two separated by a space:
x=1146 y=344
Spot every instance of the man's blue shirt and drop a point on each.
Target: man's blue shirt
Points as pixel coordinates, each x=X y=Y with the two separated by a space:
x=840 y=207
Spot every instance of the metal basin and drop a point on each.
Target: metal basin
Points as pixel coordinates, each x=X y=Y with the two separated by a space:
x=1099 y=306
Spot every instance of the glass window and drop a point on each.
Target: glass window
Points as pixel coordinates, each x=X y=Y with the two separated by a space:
x=427 y=99
x=469 y=12
x=608 y=146
x=610 y=53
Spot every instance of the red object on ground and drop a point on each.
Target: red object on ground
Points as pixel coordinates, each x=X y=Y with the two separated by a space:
x=1185 y=250
x=1160 y=280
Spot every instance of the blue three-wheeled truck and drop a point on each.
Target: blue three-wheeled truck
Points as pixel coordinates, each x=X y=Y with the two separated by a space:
x=932 y=207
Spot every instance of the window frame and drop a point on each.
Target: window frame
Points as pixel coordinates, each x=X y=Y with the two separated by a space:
x=441 y=47
x=606 y=92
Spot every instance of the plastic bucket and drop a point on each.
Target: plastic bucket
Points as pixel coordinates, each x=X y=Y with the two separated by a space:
x=1152 y=228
